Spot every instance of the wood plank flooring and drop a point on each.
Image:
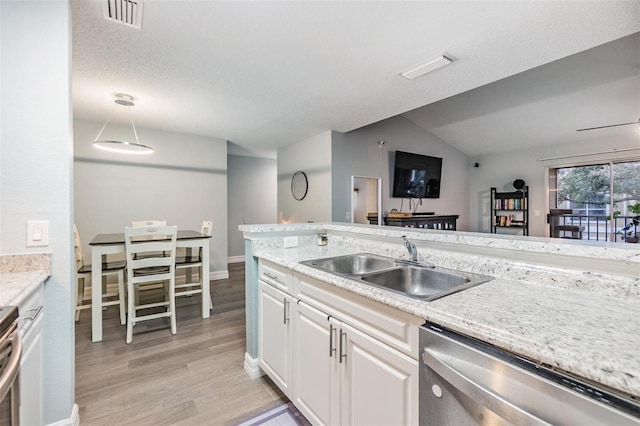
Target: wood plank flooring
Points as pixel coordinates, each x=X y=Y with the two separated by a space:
x=193 y=378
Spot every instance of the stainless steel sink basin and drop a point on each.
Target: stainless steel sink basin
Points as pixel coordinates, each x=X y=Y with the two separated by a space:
x=352 y=264
x=410 y=279
x=424 y=283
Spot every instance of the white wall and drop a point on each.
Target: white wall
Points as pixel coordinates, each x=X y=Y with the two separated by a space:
x=183 y=182
x=313 y=157
x=500 y=170
x=358 y=153
x=253 y=196
x=36 y=171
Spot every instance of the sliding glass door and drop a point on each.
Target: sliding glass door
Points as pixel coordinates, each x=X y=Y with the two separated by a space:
x=592 y=201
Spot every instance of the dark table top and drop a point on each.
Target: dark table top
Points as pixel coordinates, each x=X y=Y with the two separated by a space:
x=118 y=238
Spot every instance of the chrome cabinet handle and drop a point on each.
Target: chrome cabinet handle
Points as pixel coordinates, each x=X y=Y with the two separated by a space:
x=332 y=350
x=485 y=397
x=285 y=310
x=268 y=275
x=342 y=355
x=35 y=313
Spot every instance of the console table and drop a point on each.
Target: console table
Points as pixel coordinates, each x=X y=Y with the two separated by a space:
x=447 y=222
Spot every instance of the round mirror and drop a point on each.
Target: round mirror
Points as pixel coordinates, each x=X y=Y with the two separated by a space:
x=299 y=185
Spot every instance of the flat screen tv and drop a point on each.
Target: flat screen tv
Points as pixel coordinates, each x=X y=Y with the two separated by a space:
x=416 y=176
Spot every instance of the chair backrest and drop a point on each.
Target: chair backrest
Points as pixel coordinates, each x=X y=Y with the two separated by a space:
x=77 y=248
x=150 y=247
x=207 y=227
x=142 y=223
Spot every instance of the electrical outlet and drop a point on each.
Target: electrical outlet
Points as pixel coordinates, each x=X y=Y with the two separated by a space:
x=348 y=215
x=290 y=242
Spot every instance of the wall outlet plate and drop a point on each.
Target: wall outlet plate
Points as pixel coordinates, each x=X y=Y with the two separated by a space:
x=290 y=242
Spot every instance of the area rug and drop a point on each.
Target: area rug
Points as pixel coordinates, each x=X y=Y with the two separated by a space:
x=282 y=415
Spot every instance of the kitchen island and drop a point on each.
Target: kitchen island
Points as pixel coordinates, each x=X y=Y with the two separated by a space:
x=561 y=303
x=22 y=280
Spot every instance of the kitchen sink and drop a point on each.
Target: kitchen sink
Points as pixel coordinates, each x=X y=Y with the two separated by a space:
x=352 y=264
x=411 y=279
x=424 y=283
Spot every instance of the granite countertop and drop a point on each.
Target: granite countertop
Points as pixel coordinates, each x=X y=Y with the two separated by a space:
x=15 y=287
x=591 y=335
x=21 y=275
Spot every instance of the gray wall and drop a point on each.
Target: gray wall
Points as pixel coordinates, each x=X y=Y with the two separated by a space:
x=358 y=153
x=500 y=170
x=36 y=171
x=312 y=156
x=253 y=196
x=183 y=182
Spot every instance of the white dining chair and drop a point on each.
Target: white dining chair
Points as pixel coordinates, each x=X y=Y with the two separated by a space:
x=140 y=223
x=151 y=257
x=83 y=273
x=185 y=261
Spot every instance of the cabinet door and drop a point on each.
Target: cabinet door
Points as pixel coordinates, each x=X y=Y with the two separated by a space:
x=274 y=335
x=379 y=384
x=31 y=376
x=316 y=389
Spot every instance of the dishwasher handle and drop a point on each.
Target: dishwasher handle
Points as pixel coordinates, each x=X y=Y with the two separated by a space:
x=484 y=396
x=9 y=372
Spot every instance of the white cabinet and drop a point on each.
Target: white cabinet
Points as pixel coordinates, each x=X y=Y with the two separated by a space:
x=379 y=384
x=341 y=358
x=274 y=335
x=316 y=386
x=31 y=317
x=343 y=376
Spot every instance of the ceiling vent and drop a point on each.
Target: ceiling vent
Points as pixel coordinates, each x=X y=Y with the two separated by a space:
x=126 y=12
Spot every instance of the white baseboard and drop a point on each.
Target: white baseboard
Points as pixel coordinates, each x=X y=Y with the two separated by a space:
x=235 y=259
x=74 y=420
x=218 y=275
x=251 y=367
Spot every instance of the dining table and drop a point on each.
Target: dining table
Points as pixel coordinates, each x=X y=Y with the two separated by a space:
x=110 y=244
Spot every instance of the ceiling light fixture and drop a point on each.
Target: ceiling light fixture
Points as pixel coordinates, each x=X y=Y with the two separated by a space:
x=427 y=67
x=121 y=146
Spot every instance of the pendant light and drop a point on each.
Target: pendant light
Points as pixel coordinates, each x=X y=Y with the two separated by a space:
x=122 y=146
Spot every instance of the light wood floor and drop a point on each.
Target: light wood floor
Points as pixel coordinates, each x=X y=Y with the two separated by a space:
x=193 y=378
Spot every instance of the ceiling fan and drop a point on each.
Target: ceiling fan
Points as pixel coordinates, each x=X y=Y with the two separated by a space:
x=610 y=125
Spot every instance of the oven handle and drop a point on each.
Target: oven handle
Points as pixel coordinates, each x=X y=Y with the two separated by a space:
x=477 y=392
x=13 y=364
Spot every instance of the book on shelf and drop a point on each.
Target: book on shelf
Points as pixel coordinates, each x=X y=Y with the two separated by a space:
x=508 y=220
x=510 y=204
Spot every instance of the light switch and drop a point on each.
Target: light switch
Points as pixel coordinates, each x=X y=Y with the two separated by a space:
x=37 y=233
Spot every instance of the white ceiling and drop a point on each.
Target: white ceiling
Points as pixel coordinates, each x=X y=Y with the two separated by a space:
x=267 y=74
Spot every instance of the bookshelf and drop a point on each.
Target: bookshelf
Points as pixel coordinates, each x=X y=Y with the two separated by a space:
x=510 y=210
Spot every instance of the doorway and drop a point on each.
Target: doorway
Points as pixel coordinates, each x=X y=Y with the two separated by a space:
x=366 y=199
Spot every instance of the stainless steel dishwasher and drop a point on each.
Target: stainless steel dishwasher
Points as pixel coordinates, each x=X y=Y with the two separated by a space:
x=467 y=382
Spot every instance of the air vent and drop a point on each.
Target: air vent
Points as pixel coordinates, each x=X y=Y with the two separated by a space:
x=126 y=12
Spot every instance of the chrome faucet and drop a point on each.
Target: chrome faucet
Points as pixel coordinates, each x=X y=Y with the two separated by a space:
x=411 y=248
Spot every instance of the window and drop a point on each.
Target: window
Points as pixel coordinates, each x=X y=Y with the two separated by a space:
x=598 y=196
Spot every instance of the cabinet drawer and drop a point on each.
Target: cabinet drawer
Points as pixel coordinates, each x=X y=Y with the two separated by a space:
x=30 y=309
x=395 y=328
x=276 y=275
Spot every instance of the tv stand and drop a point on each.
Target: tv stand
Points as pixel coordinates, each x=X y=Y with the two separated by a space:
x=447 y=222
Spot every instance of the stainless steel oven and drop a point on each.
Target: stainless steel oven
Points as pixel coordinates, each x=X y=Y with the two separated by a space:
x=467 y=382
x=10 y=351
